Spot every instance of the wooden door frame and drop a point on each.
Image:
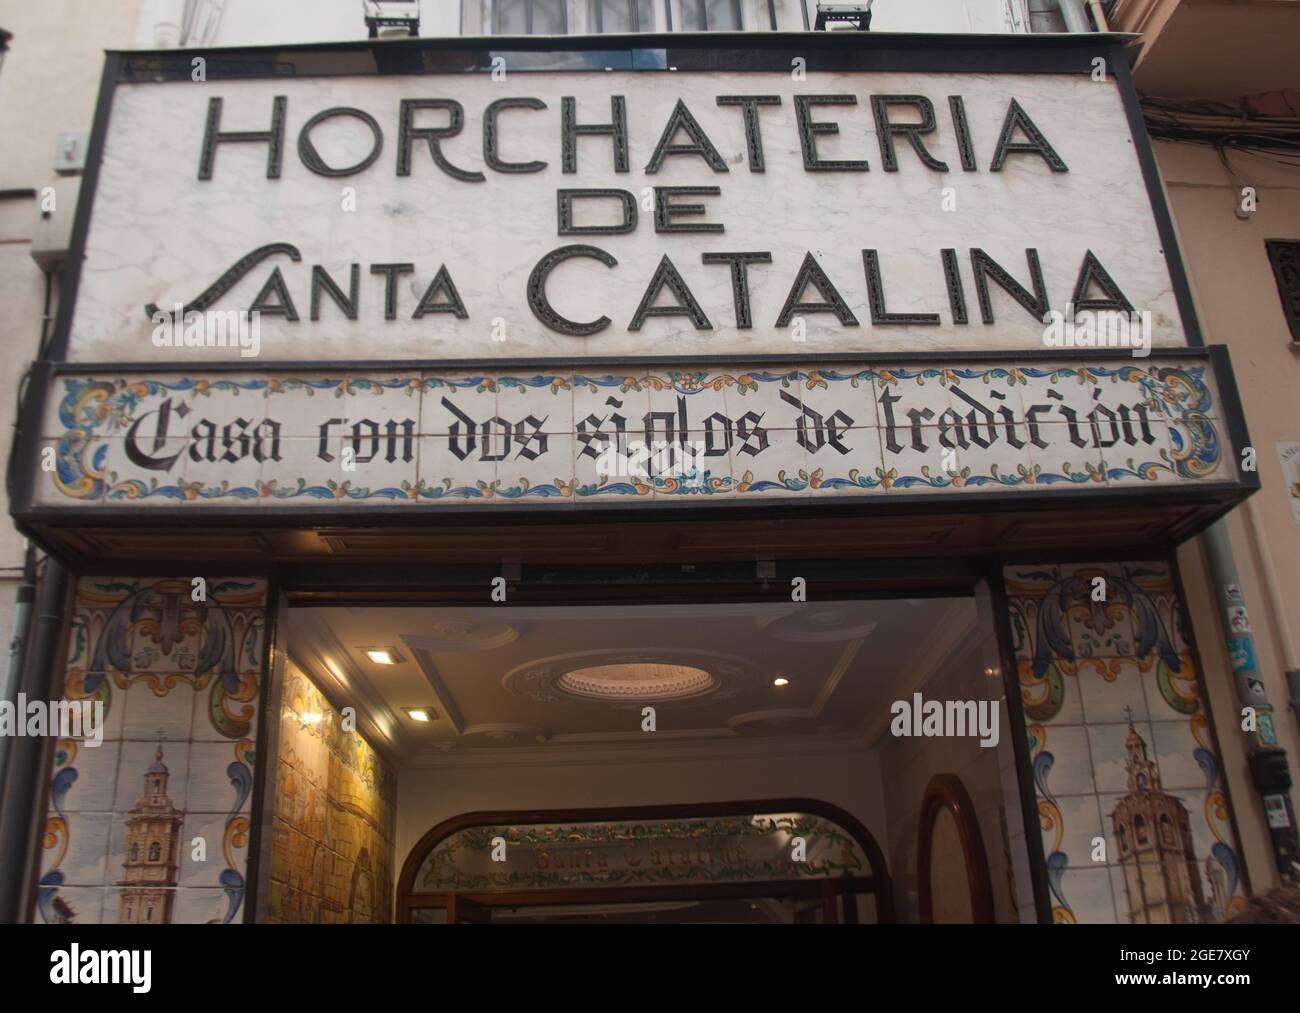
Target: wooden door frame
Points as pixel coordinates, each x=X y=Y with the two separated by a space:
x=946 y=791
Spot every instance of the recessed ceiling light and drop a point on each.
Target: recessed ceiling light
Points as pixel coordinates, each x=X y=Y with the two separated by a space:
x=382 y=655
x=418 y=713
x=780 y=680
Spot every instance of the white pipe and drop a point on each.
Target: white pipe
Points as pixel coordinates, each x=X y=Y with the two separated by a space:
x=167 y=27
x=1076 y=21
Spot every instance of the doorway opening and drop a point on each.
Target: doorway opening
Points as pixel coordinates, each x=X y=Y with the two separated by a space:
x=713 y=761
x=776 y=860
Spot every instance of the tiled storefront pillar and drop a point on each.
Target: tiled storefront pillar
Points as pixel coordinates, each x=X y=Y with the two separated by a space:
x=332 y=824
x=1128 y=783
x=152 y=824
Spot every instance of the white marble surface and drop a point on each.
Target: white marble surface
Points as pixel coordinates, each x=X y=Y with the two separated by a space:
x=159 y=235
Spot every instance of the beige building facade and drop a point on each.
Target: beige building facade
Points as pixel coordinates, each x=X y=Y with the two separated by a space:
x=1239 y=57
x=347 y=723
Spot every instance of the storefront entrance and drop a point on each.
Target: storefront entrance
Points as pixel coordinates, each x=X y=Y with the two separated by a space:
x=909 y=741
x=720 y=760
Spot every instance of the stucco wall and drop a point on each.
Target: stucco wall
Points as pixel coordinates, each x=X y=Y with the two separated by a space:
x=1238 y=305
x=48 y=84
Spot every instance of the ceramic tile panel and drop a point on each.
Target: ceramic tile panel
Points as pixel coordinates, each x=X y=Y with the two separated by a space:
x=1138 y=808
x=346 y=437
x=86 y=860
x=177 y=666
x=332 y=834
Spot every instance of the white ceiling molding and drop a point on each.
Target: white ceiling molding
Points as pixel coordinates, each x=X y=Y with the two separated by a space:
x=318 y=652
x=506 y=732
x=813 y=712
x=956 y=630
x=447 y=705
x=459 y=635
x=639 y=751
x=815 y=624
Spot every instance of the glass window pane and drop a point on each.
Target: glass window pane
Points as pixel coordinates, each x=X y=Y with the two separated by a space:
x=621 y=15
x=511 y=17
x=548 y=17
x=611 y=16
x=723 y=15
x=711 y=15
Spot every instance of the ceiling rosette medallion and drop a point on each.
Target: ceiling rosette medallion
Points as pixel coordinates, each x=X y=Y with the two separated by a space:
x=462 y=635
x=634 y=677
x=816 y=626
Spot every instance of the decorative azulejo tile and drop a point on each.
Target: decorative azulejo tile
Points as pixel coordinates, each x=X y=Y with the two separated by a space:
x=1108 y=742
x=157 y=907
x=769 y=396
x=1102 y=615
x=1111 y=689
x=540 y=468
x=85 y=777
x=147 y=716
x=453 y=469
x=86 y=861
x=323 y=405
x=171 y=669
x=605 y=402
x=918 y=461
x=139 y=760
x=1061 y=760
x=779 y=468
x=220 y=777
x=990 y=428
x=456 y=403
x=846 y=396
x=1072 y=834
x=1063 y=463
x=854 y=465
x=1184 y=754
x=1150 y=753
x=1091 y=900
x=693 y=469
x=199 y=906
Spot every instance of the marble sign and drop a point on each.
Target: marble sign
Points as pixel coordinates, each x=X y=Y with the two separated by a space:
x=580 y=215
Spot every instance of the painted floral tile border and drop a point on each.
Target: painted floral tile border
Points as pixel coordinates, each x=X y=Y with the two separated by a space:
x=847 y=430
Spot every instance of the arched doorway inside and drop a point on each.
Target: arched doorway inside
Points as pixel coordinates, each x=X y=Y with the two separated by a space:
x=767 y=860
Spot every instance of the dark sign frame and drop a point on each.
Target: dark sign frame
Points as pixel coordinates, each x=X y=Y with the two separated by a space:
x=644 y=53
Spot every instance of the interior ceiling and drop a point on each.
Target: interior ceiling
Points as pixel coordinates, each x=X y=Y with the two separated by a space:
x=500 y=678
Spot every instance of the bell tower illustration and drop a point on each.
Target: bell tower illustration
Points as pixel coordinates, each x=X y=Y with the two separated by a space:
x=152 y=851
x=1161 y=876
